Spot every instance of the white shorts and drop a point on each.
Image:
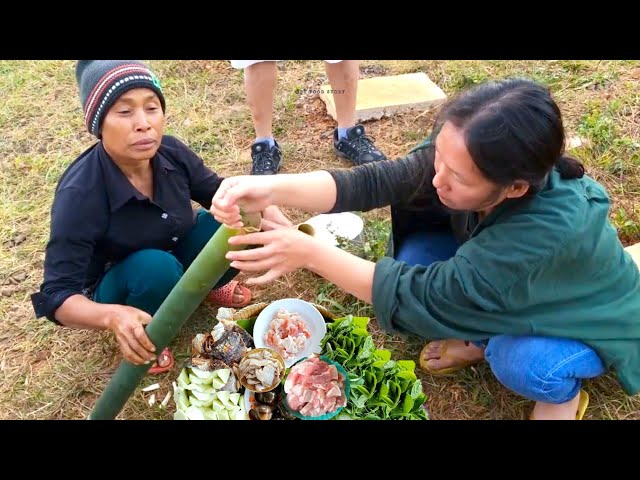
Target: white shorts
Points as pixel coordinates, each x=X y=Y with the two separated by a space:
x=247 y=63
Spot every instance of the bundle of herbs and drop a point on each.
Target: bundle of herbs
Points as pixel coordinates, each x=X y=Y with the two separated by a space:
x=381 y=388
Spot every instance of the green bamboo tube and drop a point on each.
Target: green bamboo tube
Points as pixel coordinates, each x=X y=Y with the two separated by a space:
x=196 y=283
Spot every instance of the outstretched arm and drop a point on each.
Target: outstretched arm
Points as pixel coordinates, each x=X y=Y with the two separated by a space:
x=361 y=189
x=283 y=251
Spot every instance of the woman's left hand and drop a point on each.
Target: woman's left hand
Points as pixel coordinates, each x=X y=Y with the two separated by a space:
x=274 y=219
x=281 y=251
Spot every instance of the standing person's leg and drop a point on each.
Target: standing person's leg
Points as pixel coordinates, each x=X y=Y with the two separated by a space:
x=349 y=139
x=343 y=76
x=260 y=80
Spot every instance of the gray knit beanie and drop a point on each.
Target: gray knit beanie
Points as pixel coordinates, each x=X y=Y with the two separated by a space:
x=101 y=82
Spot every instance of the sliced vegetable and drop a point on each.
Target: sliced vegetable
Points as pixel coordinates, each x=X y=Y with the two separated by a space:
x=211 y=402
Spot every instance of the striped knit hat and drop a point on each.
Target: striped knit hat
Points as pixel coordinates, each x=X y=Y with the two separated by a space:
x=101 y=82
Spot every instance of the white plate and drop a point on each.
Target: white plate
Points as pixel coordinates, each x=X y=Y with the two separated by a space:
x=309 y=314
x=248 y=404
x=330 y=225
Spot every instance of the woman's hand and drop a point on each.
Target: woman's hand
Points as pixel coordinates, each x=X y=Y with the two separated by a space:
x=281 y=251
x=253 y=193
x=274 y=219
x=128 y=325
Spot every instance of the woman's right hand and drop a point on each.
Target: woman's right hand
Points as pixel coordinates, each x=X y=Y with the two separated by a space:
x=127 y=323
x=253 y=193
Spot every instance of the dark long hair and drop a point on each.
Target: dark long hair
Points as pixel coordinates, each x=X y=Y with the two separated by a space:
x=513 y=130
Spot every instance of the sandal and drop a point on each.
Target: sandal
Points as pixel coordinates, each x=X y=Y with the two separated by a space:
x=443 y=353
x=583 y=403
x=157 y=369
x=223 y=296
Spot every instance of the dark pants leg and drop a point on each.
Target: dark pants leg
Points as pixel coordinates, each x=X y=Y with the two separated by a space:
x=145 y=278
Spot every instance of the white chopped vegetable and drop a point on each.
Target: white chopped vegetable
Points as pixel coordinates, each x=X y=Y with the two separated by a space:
x=179 y=415
x=182 y=405
x=197 y=396
x=200 y=403
x=223 y=374
x=223 y=396
x=166 y=399
x=210 y=415
x=203 y=397
x=152 y=400
x=194 y=413
x=217 y=405
x=151 y=388
x=203 y=374
x=202 y=381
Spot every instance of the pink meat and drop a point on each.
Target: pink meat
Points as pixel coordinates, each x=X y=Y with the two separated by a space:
x=334 y=392
x=315 y=388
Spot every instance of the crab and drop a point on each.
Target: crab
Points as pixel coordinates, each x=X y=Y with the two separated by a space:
x=227 y=342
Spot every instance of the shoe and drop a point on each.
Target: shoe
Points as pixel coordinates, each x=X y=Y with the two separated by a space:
x=583 y=403
x=223 y=296
x=444 y=371
x=157 y=369
x=266 y=159
x=357 y=147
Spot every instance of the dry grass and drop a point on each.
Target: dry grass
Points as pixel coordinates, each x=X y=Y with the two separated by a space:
x=51 y=372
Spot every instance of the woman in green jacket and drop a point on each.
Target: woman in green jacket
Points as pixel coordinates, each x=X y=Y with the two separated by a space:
x=503 y=249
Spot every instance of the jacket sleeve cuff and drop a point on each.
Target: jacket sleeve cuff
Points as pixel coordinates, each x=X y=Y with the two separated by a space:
x=46 y=305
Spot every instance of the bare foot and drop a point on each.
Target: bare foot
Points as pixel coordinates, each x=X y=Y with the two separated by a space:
x=162 y=361
x=457 y=352
x=238 y=297
x=556 y=411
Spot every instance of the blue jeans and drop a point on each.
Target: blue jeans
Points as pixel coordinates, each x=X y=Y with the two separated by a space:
x=145 y=278
x=542 y=369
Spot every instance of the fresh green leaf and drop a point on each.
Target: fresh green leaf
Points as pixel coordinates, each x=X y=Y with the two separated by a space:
x=408 y=365
x=366 y=351
x=361 y=322
x=390 y=365
x=359 y=332
x=371 y=416
x=416 y=389
x=361 y=389
x=407 y=404
x=380 y=364
x=383 y=355
x=395 y=392
x=384 y=390
x=345 y=324
x=343 y=353
x=407 y=375
x=359 y=402
x=419 y=400
x=247 y=324
x=405 y=385
x=370 y=381
x=350 y=346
